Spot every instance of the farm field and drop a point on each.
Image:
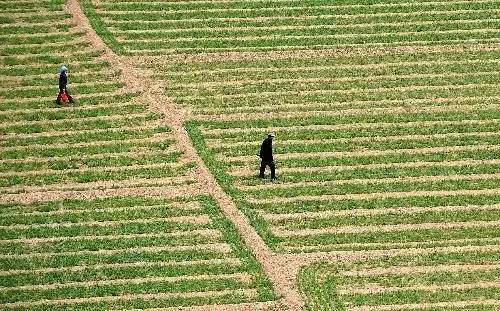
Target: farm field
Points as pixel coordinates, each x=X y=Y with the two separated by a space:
x=105 y=139
x=451 y=281
x=387 y=122
x=124 y=253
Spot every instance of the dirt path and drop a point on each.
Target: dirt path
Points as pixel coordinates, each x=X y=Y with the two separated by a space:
x=281 y=269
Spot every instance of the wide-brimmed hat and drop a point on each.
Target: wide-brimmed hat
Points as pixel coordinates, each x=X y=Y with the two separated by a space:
x=63 y=68
x=271 y=134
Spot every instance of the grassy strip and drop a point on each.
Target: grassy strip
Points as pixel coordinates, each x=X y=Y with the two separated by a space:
x=374 y=174
x=96 y=175
x=402 y=143
x=50 y=91
x=304 y=21
x=193 y=68
x=106 y=147
x=81 y=124
x=86 y=137
x=402 y=236
x=164 y=211
x=231 y=298
x=318 y=287
x=40 y=39
x=114 y=290
x=92 y=273
x=90 y=100
x=388 y=219
x=321 y=30
x=394 y=130
x=108 y=244
x=89 y=65
x=100 y=28
x=333 y=85
x=50 y=49
x=380 y=203
x=94 y=162
x=326 y=40
x=306 y=72
x=51 y=59
x=124 y=109
x=278 y=9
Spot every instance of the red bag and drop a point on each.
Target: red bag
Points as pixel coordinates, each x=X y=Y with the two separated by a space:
x=64 y=97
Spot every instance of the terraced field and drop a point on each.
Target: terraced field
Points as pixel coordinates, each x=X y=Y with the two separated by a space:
x=123 y=253
x=387 y=123
x=397 y=155
x=107 y=140
x=170 y=27
x=451 y=281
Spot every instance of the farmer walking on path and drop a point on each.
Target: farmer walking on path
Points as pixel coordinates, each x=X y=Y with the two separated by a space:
x=63 y=82
x=266 y=156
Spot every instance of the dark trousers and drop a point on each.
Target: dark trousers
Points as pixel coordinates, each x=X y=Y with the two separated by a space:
x=271 y=165
x=61 y=90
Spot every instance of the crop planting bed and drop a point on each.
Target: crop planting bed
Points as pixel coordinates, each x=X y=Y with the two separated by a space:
x=387 y=121
x=106 y=140
x=169 y=27
x=123 y=253
x=402 y=155
x=451 y=281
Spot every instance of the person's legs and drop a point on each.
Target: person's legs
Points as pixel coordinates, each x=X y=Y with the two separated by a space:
x=273 y=169
x=262 y=169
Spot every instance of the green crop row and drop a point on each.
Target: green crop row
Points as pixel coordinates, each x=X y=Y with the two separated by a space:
x=73 y=114
x=184 y=68
x=395 y=130
x=400 y=236
x=51 y=59
x=97 y=215
x=391 y=219
x=81 y=124
x=373 y=174
x=96 y=99
x=78 y=137
x=53 y=90
x=234 y=5
x=320 y=40
x=42 y=39
x=49 y=49
x=319 y=31
x=331 y=84
x=353 y=146
x=88 y=65
x=92 y=162
x=340 y=72
x=146 y=12
x=405 y=93
x=86 y=176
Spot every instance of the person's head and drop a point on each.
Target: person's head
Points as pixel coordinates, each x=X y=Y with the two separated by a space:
x=63 y=69
x=270 y=135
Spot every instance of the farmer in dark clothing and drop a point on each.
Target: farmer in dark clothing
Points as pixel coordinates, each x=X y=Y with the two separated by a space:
x=63 y=82
x=266 y=156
